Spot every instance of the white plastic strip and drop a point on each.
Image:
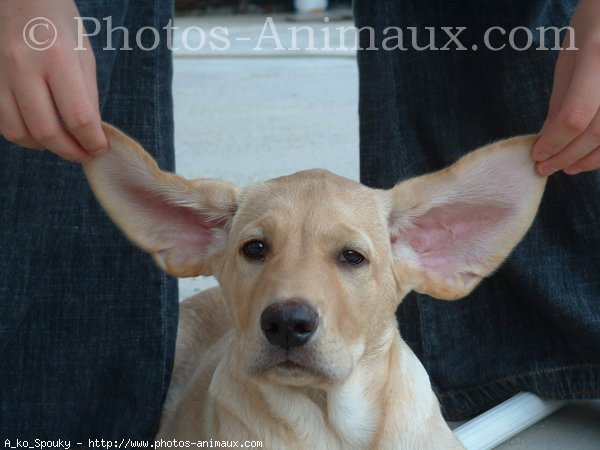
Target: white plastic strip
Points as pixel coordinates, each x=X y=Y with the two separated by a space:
x=502 y=422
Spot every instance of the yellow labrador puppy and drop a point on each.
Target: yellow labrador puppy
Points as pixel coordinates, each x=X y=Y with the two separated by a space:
x=299 y=347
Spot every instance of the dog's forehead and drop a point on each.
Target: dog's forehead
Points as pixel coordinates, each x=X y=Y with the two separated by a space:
x=309 y=191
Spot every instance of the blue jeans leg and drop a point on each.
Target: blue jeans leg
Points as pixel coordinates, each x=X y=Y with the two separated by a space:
x=87 y=322
x=535 y=324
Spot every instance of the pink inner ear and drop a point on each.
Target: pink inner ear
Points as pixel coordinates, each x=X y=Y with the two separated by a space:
x=450 y=237
x=177 y=227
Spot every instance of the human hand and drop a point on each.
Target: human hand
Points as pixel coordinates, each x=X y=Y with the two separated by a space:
x=570 y=137
x=48 y=98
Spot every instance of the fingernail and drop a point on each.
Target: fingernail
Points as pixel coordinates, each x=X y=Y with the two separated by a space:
x=99 y=151
x=573 y=170
x=548 y=170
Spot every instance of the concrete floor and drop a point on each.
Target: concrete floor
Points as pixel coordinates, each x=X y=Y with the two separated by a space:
x=245 y=116
x=574 y=427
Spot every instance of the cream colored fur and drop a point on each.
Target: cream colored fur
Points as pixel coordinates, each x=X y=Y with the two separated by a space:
x=356 y=384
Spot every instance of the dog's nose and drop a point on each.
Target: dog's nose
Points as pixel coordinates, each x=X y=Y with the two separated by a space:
x=289 y=324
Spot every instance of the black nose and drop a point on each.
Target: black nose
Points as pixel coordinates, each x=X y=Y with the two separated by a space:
x=289 y=324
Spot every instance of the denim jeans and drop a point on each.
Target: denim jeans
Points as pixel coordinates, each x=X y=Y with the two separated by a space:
x=87 y=321
x=535 y=324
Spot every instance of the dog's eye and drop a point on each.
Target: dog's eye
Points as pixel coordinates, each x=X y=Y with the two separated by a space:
x=351 y=257
x=255 y=250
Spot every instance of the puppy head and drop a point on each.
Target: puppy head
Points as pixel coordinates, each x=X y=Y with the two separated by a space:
x=313 y=265
x=307 y=269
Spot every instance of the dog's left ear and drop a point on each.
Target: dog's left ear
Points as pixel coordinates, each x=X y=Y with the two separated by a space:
x=451 y=228
x=182 y=223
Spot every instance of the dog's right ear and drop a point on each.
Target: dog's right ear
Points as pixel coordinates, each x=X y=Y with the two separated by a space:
x=182 y=223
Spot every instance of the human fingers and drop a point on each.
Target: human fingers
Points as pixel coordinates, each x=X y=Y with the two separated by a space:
x=563 y=72
x=78 y=108
x=580 y=105
x=41 y=118
x=12 y=126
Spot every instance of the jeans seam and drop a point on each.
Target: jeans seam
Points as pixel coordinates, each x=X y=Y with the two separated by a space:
x=462 y=409
x=530 y=373
x=164 y=281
